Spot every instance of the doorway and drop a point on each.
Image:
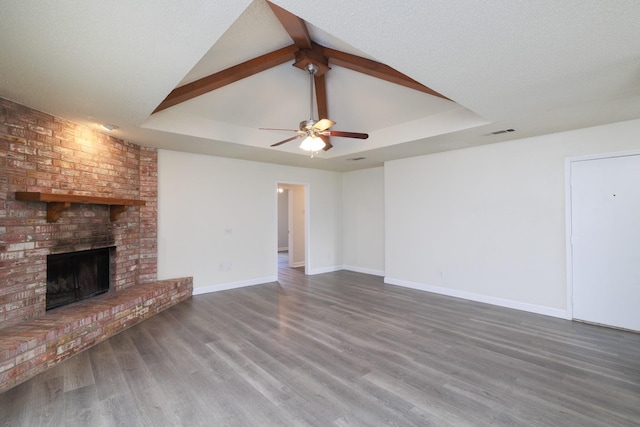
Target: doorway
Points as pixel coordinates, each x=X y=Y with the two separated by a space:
x=293 y=225
x=604 y=240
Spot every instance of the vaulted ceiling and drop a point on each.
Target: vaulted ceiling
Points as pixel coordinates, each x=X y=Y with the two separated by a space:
x=536 y=67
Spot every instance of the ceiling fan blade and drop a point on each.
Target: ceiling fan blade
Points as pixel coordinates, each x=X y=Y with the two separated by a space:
x=323 y=124
x=287 y=140
x=284 y=130
x=343 y=134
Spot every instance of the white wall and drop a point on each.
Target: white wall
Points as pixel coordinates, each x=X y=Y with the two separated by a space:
x=217 y=219
x=488 y=223
x=363 y=221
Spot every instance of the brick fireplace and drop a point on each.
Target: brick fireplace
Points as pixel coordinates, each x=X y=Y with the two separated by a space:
x=45 y=154
x=39 y=152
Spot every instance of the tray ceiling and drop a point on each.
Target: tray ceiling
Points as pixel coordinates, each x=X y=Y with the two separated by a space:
x=537 y=67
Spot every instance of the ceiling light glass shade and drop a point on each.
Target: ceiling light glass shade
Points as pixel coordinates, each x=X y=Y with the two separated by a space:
x=311 y=143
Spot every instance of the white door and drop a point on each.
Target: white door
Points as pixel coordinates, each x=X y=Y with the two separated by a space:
x=605 y=236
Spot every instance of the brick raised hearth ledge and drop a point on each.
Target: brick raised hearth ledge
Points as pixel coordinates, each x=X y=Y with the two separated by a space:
x=37 y=344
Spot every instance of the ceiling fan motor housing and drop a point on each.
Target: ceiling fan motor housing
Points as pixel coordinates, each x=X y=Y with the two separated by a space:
x=307 y=124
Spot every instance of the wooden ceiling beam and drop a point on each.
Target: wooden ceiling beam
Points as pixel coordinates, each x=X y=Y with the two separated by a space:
x=323 y=107
x=375 y=69
x=293 y=25
x=303 y=51
x=297 y=29
x=305 y=57
x=228 y=76
x=321 y=96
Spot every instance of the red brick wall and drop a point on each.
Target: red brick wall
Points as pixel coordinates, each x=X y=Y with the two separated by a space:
x=40 y=152
x=148 y=266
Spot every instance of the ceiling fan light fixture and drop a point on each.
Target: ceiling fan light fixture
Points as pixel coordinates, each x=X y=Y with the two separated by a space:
x=312 y=143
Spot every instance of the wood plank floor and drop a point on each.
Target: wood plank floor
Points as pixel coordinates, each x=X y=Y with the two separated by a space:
x=340 y=349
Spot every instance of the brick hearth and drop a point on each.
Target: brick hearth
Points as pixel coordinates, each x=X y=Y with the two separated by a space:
x=43 y=153
x=35 y=345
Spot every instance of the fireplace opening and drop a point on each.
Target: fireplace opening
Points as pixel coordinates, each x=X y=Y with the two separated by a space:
x=74 y=276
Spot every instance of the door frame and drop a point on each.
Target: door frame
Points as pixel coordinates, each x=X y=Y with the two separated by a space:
x=307 y=221
x=289 y=226
x=568 y=214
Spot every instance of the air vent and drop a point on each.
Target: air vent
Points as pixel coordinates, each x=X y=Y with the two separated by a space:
x=355 y=159
x=500 y=132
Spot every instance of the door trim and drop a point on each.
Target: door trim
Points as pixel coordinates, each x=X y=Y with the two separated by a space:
x=307 y=220
x=568 y=205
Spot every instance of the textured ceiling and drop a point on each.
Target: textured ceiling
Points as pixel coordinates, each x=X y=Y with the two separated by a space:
x=536 y=66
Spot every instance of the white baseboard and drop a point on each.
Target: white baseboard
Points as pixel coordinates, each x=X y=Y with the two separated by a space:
x=324 y=270
x=532 y=308
x=501 y=302
x=347 y=267
x=298 y=264
x=233 y=285
x=363 y=270
x=283 y=249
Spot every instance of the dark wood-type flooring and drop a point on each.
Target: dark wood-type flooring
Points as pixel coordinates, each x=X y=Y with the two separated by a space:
x=340 y=349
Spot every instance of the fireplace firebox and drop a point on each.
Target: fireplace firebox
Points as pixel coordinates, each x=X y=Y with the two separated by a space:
x=74 y=276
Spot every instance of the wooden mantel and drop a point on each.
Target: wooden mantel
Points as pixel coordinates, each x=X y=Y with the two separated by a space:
x=57 y=203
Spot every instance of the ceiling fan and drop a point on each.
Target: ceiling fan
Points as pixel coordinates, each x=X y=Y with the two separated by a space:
x=315 y=132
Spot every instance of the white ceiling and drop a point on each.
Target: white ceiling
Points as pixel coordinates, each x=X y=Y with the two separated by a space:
x=535 y=66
